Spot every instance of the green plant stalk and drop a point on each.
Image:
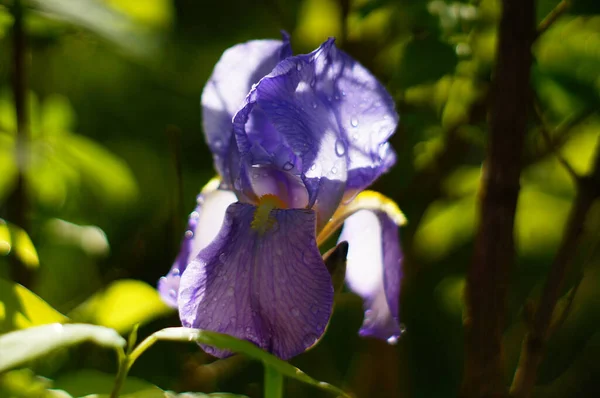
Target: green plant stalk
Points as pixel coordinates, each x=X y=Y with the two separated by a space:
x=273 y=383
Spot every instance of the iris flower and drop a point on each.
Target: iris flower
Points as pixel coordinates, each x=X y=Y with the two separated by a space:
x=295 y=141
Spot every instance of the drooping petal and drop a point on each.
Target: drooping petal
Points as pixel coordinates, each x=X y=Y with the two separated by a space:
x=203 y=225
x=374 y=271
x=239 y=68
x=270 y=287
x=321 y=116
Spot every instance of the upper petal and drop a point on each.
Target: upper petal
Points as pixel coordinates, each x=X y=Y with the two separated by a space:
x=374 y=270
x=239 y=68
x=203 y=225
x=270 y=286
x=321 y=116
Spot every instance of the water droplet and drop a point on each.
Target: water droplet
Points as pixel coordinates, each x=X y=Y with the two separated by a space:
x=175 y=272
x=343 y=93
x=340 y=147
x=200 y=199
x=288 y=166
x=337 y=97
x=299 y=67
x=314 y=105
x=314 y=166
x=354 y=122
x=393 y=340
x=333 y=170
x=295 y=311
x=230 y=292
x=218 y=144
x=194 y=215
x=172 y=293
x=189 y=234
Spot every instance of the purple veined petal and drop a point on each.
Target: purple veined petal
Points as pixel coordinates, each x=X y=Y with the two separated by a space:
x=239 y=68
x=270 y=287
x=203 y=226
x=374 y=271
x=324 y=117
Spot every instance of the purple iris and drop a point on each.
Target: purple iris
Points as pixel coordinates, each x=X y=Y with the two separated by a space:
x=295 y=140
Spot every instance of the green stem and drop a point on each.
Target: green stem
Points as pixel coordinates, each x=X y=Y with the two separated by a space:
x=127 y=360
x=273 y=383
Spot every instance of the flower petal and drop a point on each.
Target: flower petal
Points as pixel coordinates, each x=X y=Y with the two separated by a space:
x=322 y=116
x=270 y=287
x=203 y=225
x=238 y=69
x=374 y=270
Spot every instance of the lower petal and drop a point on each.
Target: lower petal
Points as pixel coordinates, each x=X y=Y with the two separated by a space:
x=203 y=225
x=268 y=286
x=373 y=270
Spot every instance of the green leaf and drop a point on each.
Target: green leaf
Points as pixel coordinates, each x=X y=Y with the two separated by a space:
x=87 y=382
x=23 y=247
x=104 y=21
x=20 y=308
x=25 y=345
x=5 y=240
x=122 y=305
x=224 y=341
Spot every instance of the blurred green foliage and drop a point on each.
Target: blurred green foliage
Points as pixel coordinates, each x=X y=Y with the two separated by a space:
x=114 y=90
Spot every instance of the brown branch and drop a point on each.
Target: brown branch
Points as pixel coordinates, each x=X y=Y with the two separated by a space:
x=494 y=245
x=556 y=12
x=17 y=202
x=536 y=339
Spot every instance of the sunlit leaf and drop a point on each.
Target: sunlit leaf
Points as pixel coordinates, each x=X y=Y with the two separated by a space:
x=156 y=13
x=20 y=308
x=318 y=19
x=123 y=304
x=5 y=240
x=25 y=345
x=224 y=341
x=445 y=226
x=22 y=247
x=104 y=21
x=23 y=383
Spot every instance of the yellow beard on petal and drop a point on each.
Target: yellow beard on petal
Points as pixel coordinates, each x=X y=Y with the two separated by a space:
x=262 y=220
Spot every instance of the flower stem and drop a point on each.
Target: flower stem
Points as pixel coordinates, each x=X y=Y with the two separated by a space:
x=273 y=383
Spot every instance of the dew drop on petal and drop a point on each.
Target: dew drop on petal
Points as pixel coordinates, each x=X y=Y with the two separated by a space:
x=340 y=148
x=299 y=67
x=354 y=122
x=200 y=200
x=194 y=215
x=218 y=144
x=172 y=293
x=288 y=166
x=333 y=170
x=314 y=166
x=393 y=340
x=175 y=272
x=189 y=234
x=314 y=105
